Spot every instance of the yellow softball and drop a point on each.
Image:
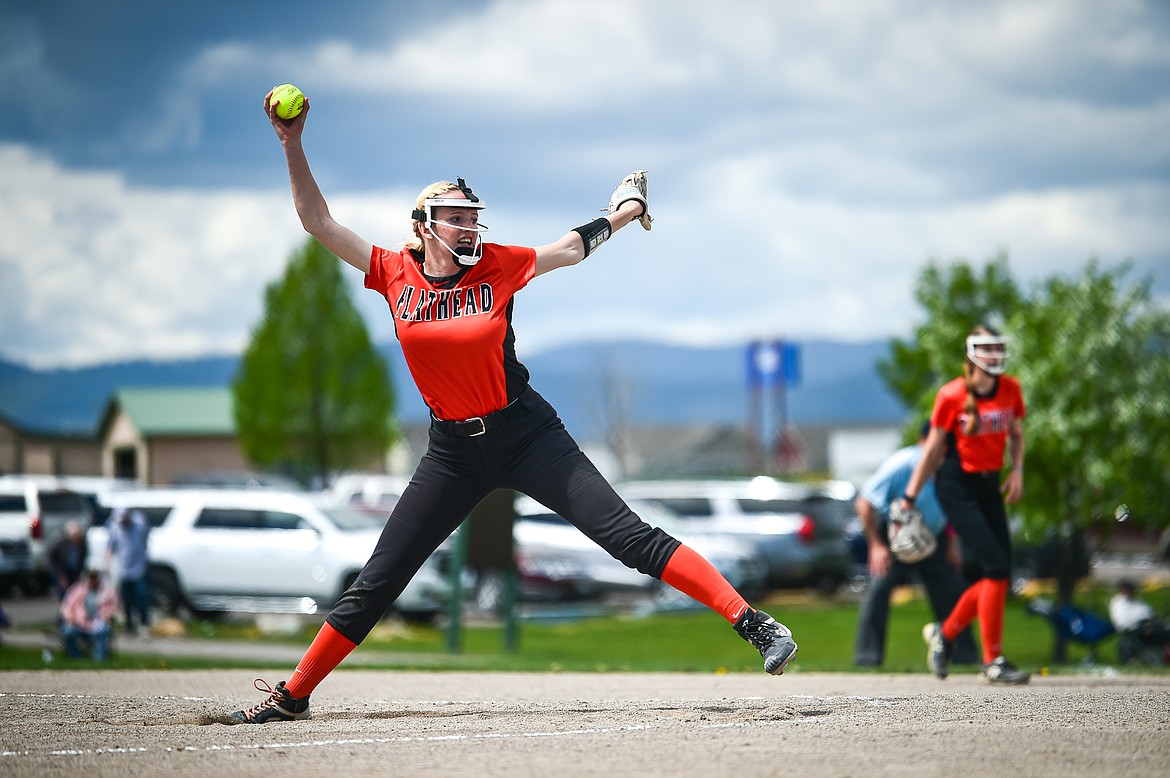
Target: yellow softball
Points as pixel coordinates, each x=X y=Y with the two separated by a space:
x=288 y=99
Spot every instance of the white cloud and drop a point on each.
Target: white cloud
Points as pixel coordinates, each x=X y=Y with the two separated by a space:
x=807 y=160
x=95 y=269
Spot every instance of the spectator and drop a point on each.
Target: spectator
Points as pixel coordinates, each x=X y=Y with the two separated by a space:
x=1142 y=635
x=86 y=611
x=67 y=557
x=129 y=533
x=938 y=572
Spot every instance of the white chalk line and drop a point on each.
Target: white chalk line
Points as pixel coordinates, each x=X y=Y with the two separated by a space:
x=72 y=752
x=319 y=743
x=60 y=696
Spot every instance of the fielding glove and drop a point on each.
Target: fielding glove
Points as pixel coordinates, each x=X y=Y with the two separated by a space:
x=632 y=187
x=910 y=539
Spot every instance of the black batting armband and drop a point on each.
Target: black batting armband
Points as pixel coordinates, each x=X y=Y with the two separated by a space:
x=594 y=234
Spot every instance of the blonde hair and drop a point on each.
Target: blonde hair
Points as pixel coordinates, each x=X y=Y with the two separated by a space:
x=969 y=406
x=432 y=190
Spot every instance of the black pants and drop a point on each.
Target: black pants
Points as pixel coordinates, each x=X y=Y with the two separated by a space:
x=532 y=453
x=974 y=507
x=943 y=587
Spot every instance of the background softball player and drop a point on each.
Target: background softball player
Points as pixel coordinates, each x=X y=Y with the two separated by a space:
x=450 y=296
x=976 y=417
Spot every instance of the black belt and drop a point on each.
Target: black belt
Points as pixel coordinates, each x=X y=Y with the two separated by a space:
x=479 y=425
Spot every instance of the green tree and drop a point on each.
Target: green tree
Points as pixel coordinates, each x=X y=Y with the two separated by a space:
x=1093 y=355
x=955 y=297
x=312 y=395
x=1094 y=358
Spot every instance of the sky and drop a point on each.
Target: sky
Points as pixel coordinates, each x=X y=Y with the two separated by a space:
x=807 y=160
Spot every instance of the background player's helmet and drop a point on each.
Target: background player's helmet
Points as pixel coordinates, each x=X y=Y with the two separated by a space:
x=464 y=256
x=988 y=352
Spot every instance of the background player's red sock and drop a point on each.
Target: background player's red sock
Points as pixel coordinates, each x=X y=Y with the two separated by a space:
x=992 y=601
x=693 y=575
x=964 y=611
x=324 y=653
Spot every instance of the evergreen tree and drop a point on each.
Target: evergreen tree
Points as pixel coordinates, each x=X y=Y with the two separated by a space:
x=312 y=395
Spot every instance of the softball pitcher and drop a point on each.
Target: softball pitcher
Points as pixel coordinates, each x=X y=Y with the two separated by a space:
x=450 y=296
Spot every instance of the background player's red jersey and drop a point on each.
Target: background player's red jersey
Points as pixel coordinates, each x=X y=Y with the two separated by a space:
x=985 y=449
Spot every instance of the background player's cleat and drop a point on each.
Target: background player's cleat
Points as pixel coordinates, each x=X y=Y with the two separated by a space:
x=280 y=706
x=771 y=638
x=938 y=649
x=1004 y=672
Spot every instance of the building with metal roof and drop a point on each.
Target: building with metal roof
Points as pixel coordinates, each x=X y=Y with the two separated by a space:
x=153 y=435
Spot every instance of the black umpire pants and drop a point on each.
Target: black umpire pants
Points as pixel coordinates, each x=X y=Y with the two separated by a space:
x=530 y=452
x=943 y=587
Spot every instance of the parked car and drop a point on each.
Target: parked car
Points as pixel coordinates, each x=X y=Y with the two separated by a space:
x=799 y=528
x=236 y=479
x=1046 y=554
x=261 y=551
x=34 y=509
x=740 y=561
x=556 y=561
x=16 y=563
x=16 y=554
x=92 y=489
x=372 y=493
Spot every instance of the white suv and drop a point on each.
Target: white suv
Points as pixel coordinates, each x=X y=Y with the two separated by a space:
x=799 y=528
x=261 y=552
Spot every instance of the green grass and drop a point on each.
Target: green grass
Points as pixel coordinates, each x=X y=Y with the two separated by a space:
x=697 y=641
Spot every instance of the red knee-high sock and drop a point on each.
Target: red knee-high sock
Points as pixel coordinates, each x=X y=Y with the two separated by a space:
x=695 y=577
x=991 y=606
x=965 y=610
x=324 y=653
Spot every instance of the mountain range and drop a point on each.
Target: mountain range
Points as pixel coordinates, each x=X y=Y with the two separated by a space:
x=642 y=383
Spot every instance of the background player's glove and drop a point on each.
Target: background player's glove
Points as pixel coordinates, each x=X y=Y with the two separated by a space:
x=910 y=539
x=632 y=187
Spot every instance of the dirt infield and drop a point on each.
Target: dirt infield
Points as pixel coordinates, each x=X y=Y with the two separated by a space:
x=382 y=723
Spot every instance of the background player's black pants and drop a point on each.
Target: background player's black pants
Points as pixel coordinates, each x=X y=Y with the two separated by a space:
x=974 y=506
x=533 y=454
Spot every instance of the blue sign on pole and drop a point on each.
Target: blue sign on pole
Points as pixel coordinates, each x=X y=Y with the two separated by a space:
x=791 y=362
x=763 y=363
x=772 y=362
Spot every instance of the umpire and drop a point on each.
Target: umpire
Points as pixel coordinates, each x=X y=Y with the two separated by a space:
x=937 y=572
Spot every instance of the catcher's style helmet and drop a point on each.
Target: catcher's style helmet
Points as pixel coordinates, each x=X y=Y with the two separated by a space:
x=464 y=256
x=988 y=352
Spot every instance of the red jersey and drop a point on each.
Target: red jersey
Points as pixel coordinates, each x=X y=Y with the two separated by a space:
x=985 y=449
x=458 y=341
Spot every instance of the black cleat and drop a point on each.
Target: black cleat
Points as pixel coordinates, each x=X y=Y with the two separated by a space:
x=280 y=706
x=771 y=638
x=938 y=649
x=1001 y=671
